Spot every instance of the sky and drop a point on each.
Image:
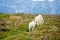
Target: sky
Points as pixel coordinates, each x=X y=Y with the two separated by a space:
x=30 y=6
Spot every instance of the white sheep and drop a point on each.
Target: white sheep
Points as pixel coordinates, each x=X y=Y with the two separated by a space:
x=32 y=25
x=39 y=20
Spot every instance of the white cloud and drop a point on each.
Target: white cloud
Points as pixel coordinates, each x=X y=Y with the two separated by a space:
x=21 y=10
x=41 y=0
x=34 y=0
x=51 y=0
x=17 y=11
x=38 y=0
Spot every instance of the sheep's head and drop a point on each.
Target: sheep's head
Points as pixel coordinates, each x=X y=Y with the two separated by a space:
x=40 y=16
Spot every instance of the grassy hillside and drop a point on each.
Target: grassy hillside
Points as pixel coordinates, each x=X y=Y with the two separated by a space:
x=17 y=29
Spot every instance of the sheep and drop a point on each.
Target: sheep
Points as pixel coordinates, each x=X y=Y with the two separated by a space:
x=32 y=25
x=39 y=20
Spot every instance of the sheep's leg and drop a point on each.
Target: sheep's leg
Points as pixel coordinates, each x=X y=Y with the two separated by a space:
x=37 y=23
x=29 y=29
x=32 y=28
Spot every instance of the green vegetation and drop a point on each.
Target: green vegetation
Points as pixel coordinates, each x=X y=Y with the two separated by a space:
x=18 y=29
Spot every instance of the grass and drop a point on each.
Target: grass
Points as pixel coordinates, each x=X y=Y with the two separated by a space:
x=20 y=32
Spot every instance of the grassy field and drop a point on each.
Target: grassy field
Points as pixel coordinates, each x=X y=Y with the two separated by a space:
x=17 y=29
